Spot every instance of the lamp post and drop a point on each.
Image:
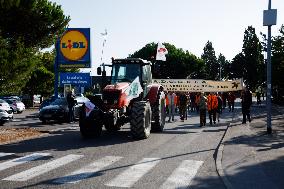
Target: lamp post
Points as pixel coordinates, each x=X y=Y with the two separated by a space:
x=269 y=19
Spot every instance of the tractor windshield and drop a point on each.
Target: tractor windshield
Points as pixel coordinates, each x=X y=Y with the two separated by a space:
x=125 y=72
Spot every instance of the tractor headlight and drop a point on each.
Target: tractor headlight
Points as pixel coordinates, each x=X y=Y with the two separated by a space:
x=115 y=101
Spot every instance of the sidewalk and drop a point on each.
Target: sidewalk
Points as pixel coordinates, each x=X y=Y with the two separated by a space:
x=250 y=158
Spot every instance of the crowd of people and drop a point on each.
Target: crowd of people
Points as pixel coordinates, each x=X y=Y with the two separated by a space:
x=213 y=103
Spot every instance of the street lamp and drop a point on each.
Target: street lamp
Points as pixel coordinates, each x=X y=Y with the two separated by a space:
x=269 y=19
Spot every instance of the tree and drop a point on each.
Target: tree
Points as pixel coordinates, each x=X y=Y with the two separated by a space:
x=224 y=66
x=26 y=26
x=42 y=78
x=277 y=63
x=236 y=67
x=37 y=23
x=211 y=64
x=16 y=64
x=253 y=59
x=180 y=64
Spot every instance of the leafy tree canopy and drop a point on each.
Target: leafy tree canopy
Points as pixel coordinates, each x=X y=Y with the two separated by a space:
x=211 y=65
x=37 y=23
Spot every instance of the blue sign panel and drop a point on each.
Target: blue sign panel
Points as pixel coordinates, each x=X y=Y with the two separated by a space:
x=77 y=79
x=73 y=48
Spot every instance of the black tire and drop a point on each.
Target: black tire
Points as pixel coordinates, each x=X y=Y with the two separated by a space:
x=140 y=120
x=158 y=113
x=90 y=126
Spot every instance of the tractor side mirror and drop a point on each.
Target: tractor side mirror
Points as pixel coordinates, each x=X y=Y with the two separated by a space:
x=99 y=71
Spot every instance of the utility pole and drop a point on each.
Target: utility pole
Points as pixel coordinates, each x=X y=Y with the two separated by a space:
x=269 y=19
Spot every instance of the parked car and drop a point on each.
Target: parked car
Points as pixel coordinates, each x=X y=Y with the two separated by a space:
x=6 y=112
x=4 y=105
x=58 y=110
x=5 y=116
x=16 y=105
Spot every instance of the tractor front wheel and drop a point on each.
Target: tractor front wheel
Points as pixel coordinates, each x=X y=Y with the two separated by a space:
x=140 y=120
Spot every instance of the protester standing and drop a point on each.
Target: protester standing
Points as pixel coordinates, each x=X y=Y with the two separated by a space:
x=197 y=99
x=246 y=104
x=182 y=105
x=71 y=103
x=171 y=106
x=212 y=106
x=224 y=99
x=231 y=101
x=219 y=109
x=202 y=109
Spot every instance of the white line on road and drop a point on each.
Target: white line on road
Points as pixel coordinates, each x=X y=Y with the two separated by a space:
x=2 y=154
x=134 y=173
x=88 y=170
x=41 y=169
x=21 y=160
x=182 y=176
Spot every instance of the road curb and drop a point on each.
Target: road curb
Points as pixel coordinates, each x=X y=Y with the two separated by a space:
x=218 y=162
x=219 y=157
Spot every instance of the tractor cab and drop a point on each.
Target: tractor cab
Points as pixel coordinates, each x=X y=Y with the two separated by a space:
x=126 y=70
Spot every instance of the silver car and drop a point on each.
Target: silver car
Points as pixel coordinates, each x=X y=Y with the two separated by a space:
x=16 y=105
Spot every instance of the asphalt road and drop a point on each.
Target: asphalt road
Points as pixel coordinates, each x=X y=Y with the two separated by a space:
x=182 y=156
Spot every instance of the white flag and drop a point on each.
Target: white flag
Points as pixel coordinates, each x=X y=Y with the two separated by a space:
x=89 y=108
x=161 y=52
x=134 y=89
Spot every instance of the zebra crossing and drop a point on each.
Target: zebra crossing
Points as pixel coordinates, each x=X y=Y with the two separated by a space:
x=181 y=176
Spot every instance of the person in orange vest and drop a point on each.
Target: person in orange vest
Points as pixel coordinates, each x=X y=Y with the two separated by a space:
x=197 y=99
x=212 y=106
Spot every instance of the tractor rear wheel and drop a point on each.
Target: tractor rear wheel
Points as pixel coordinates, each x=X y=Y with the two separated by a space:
x=159 y=113
x=140 y=120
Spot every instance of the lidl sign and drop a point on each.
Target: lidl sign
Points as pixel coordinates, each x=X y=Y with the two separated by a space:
x=74 y=48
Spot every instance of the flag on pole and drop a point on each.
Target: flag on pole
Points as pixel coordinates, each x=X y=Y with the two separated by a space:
x=161 y=52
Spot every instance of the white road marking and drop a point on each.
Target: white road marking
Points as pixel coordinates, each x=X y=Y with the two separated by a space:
x=2 y=154
x=21 y=160
x=134 y=173
x=41 y=169
x=88 y=170
x=183 y=175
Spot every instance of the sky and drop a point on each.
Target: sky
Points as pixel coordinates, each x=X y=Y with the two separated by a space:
x=187 y=24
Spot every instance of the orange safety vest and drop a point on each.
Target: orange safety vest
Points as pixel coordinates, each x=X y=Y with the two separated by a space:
x=212 y=102
x=176 y=99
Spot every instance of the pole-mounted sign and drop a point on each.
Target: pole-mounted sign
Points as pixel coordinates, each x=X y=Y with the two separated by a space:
x=72 y=51
x=74 y=48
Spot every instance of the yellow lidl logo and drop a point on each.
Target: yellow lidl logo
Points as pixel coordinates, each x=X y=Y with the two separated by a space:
x=73 y=45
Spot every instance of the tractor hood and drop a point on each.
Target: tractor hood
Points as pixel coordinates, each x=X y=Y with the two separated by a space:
x=117 y=86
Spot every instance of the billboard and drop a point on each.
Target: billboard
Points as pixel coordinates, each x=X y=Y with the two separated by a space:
x=73 y=48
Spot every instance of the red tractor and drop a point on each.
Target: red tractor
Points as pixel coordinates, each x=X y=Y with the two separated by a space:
x=130 y=97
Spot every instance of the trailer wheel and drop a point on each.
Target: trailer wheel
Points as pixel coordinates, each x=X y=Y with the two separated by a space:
x=140 y=120
x=158 y=113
